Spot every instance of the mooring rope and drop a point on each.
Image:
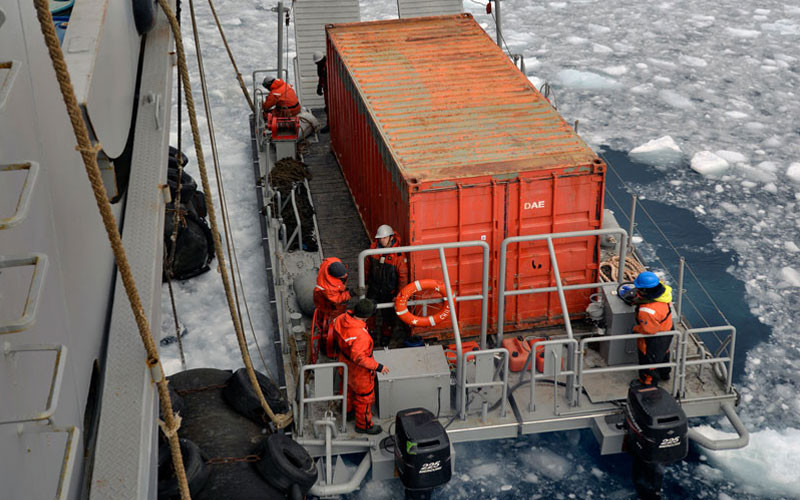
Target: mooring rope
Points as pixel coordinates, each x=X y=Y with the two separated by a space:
x=233 y=61
x=89 y=156
x=280 y=420
x=230 y=242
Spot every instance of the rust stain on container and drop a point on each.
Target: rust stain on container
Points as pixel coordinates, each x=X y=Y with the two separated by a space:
x=441 y=136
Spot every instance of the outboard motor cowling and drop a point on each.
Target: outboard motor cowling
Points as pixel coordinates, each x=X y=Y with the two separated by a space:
x=421 y=452
x=657 y=435
x=657 y=427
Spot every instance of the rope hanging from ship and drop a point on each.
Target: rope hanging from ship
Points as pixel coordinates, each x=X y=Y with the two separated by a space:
x=280 y=420
x=88 y=153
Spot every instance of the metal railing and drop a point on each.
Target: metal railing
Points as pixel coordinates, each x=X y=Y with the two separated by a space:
x=488 y=381
x=572 y=345
x=560 y=288
x=280 y=204
x=675 y=362
x=302 y=399
x=483 y=297
x=726 y=361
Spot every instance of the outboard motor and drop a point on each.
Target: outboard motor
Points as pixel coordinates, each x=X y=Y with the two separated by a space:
x=657 y=435
x=421 y=452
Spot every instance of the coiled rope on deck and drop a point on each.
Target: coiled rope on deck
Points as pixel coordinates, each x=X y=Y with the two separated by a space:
x=89 y=155
x=609 y=269
x=280 y=420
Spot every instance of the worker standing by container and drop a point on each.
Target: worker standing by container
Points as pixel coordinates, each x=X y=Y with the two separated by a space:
x=386 y=274
x=355 y=348
x=322 y=83
x=330 y=298
x=282 y=100
x=653 y=315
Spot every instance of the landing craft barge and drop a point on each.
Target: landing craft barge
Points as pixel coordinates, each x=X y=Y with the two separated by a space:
x=502 y=202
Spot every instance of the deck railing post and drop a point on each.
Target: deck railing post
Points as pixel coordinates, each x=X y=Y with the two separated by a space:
x=631 y=227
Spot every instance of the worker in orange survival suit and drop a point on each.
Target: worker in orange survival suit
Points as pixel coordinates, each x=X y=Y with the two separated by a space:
x=386 y=274
x=281 y=100
x=330 y=297
x=653 y=315
x=355 y=349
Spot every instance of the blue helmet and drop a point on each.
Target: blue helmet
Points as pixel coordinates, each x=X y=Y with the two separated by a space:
x=646 y=279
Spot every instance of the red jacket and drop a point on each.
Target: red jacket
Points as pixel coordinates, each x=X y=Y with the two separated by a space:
x=386 y=281
x=355 y=346
x=282 y=96
x=330 y=293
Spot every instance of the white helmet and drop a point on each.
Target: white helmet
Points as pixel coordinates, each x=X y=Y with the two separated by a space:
x=317 y=57
x=384 y=231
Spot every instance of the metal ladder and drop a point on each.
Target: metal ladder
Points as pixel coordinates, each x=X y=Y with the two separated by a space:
x=18 y=183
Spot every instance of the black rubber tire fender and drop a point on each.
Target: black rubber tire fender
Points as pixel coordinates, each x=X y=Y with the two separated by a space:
x=194 y=462
x=240 y=395
x=144 y=15
x=285 y=463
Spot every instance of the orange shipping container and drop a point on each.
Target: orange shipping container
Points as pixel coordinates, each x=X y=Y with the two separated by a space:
x=440 y=135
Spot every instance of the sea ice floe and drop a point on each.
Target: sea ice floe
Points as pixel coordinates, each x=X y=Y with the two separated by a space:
x=731 y=156
x=790 y=276
x=767 y=463
x=742 y=33
x=696 y=62
x=675 y=99
x=708 y=164
x=658 y=152
x=793 y=172
x=585 y=80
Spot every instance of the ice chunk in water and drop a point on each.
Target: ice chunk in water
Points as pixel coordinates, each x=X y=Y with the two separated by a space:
x=585 y=80
x=793 y=172
x=662 y=151
x=731 y=156
x=790 y=276
x=708 y=164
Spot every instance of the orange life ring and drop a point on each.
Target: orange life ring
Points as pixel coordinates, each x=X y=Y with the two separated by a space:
x=401 y=301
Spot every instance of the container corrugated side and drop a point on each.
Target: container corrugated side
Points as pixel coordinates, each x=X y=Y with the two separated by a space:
x=425 y=148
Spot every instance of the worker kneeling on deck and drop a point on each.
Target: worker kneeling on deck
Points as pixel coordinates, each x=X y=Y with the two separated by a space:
x=355 y=349
x=653 y=315
x=386 y=274
x=282 y=100
x=330 y=297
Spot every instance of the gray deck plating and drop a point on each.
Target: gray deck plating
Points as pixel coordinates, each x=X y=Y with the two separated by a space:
x=341 y=229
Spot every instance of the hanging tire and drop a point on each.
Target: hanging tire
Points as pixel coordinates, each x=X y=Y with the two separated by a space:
x=194 y=464
x=144 y=15
x=285 y=464
x=240 y=395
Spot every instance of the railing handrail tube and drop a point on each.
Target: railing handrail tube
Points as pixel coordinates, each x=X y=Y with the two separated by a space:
x=558 y=371
x=504 y=383
x=501 y=287
x=436 y=246
x=677 y=363
x=731 y=350
x=301 y=393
